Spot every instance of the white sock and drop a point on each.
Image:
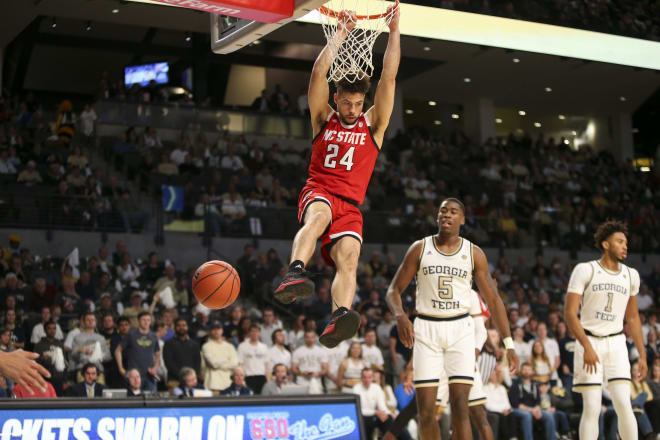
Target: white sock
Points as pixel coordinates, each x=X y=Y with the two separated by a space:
x=623 y=407
x=592 y=398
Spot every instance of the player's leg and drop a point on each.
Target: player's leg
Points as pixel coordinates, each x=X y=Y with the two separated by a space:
x=428 y=427
x=344 y=322
x=590 y=385
x=315 y=216
x=459 y=363
x=479 y=420
x=617 y=374
x=460 y=412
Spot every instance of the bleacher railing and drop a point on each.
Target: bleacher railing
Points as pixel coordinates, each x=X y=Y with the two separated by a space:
x=180 y=117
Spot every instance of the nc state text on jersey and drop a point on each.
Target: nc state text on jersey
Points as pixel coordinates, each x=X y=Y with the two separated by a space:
x=349 y=137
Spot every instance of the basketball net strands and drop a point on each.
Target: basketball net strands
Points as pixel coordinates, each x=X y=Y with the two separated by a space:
x=353 y=59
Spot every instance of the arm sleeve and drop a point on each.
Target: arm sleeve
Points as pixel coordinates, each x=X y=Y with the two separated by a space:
x=480 y=333
x=580 y=277
x=634 y=281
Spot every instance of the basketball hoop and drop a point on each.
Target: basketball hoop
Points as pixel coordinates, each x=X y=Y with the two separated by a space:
x=353 y=59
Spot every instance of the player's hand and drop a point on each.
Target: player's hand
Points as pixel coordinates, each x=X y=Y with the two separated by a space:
x=346 y=21
x=408 y=387
x=643 y=368
x=590 y=360
x=476 y=353
x=512 y=358
x=394 y=22
x=405 y=330
x=21 y=367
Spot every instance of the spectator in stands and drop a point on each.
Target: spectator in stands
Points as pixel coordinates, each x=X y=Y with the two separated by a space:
x=142 y=352
x=30 y=175
x=127 y=272
x=89 y=386
x=6 y=167
x=526 y=401
x=5 y=340
x=231 y=162
x=370 y=351
x=260 y=103
x=17 y=331
x=645 y=300
x=214 y=222
x=550 y=346
x=278 y=353
x=51 y=355
x=252 y=356
x=566 y=343
x=350 y=369
x=181 y=351
x=220 y=358
x=88 y=119
x=179 y=293
x=498 y=406
x=540 y=362
x=238 y=386
x=309 y=363
x=166 y=167
x=187 y=383
x=384 y=328
x=134 y=379
x=233 y=208
x=561 y=419
x=270 y=324
x=373 y=307
x=135 y=219
x=134 y=309
x=375 y=413
x=390 y=398
x=153 y=270
x=39 y=331
x=88 y=346
x=280 y=379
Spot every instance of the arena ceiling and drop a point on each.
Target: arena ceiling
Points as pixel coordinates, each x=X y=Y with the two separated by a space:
x=431 y=69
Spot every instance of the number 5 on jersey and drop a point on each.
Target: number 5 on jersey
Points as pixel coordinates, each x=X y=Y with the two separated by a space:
x=445 y=288
x=331 y=154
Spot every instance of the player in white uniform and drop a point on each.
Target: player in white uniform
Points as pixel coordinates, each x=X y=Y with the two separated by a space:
x=606 y=289
x=443 y=266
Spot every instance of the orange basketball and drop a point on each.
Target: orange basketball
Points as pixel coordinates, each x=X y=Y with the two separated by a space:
x=216 y=284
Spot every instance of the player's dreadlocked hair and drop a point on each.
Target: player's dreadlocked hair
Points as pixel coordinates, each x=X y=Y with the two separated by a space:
x=353 y=85
x=455 y=200
x=605 y=230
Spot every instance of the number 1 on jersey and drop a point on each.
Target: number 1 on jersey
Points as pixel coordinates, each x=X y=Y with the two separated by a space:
x=331 y=154
x=610 y=298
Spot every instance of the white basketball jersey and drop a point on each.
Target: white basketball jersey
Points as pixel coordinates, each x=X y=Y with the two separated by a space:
x=605 y=295
x=444 y=281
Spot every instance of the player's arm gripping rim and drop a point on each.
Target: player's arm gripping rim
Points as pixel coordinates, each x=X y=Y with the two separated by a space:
x=571 y=309
x=635 y=325
x=319 y=90
x=380 y=113
x=488 y=290
x=402 y=278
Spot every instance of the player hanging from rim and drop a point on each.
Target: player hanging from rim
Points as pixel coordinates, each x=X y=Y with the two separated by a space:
x=345 y=148
x=443 y=338
x=477 y=397
x=606 y=289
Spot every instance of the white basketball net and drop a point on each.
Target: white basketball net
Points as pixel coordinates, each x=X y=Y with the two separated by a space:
x=354 y=54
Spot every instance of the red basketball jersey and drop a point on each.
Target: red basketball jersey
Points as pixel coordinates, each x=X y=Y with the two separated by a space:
x=343 y=158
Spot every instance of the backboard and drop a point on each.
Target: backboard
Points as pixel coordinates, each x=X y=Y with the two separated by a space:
x=229 y=34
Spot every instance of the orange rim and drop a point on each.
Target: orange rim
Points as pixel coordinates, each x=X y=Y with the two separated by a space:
x=334 y=14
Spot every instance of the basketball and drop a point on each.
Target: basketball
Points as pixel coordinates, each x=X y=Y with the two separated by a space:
x=216 y=284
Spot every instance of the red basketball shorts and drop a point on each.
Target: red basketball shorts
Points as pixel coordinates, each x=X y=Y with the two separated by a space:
x=346 y=218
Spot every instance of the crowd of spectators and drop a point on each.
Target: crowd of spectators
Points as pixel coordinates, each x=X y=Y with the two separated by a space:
x=117 y=321
x=640 y=19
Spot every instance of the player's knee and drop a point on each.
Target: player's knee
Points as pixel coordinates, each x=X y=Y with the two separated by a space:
x=348 y=254
x=427 y=415
x=591 y=412
x=459 y=404
x=318 y=219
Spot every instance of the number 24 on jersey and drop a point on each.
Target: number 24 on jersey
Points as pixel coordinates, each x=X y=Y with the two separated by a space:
x=331 y=157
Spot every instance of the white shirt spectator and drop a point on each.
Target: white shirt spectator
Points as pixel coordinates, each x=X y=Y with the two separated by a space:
x=38 y=332
x=87 y=118
x=371 y=399
x=551 y=349
x=372 y=356
x=308 y=360
x=178 y=156
x=267 y=332
x=497 y=399
x=644 y=300
x=233 y=163
x=253 y=358
x=234 y=207
x=334 y=357
x=68 y=342
x=278 y=355
x=523 y=350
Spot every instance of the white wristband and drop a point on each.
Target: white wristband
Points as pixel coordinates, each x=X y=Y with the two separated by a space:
x=508 y=343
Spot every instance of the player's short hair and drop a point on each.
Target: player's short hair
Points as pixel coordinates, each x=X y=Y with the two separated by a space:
x=350 y=84
x=455 y=200
x=605 y=231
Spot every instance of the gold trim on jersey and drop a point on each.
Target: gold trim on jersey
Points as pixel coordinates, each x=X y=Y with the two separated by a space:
x=477 y=402
x=421 y=255
x=442 y=253
x=472 y=256
x=464 y=381
x=609 y=271
x=426 y=385
x=593 y=271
